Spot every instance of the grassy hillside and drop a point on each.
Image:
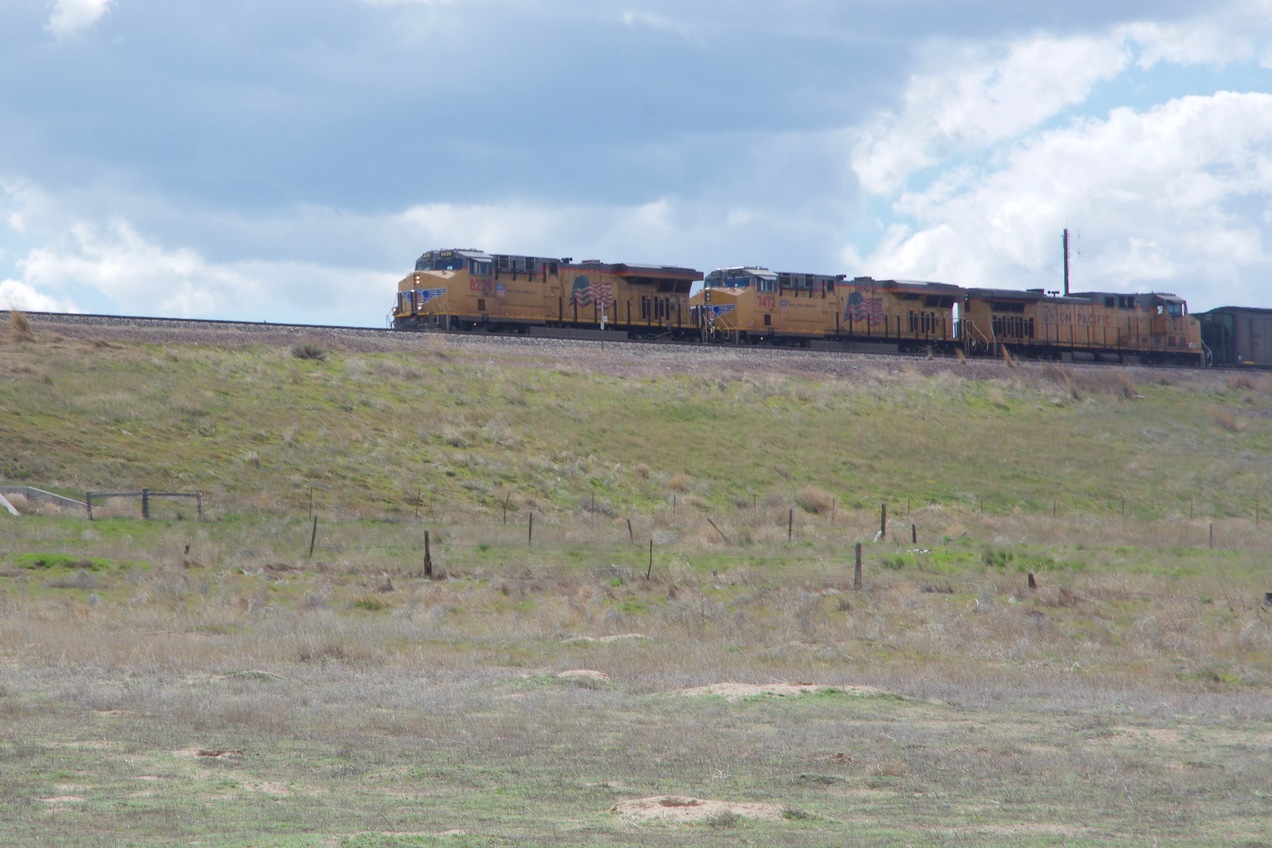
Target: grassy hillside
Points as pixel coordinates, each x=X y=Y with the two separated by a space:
x=682 y=637
x=472 y=429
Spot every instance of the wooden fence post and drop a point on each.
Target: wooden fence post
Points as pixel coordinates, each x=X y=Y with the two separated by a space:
x=856 y=571
x=530 y=535
x=88 y=501
x=790 y=526
x=883 y=521
x=650 y=570
x=428 y=557
x=313 y=537
x=145 y=503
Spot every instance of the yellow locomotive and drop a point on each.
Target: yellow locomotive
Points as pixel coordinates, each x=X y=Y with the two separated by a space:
x=1105 y=326
x=471 y=289
x=754 y=305
x=474 y=290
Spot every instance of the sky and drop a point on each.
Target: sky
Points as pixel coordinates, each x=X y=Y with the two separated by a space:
x=288 y=162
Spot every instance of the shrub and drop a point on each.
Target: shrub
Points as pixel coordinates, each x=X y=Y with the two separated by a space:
x=680 y=482
x=997 y=559
x=309 y=350
x=814 y=499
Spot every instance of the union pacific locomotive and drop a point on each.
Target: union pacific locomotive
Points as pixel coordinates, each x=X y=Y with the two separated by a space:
x=471 y=289
x=474 y=290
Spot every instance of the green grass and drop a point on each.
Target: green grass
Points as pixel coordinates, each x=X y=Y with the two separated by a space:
x=257 y=429
x=210 y=682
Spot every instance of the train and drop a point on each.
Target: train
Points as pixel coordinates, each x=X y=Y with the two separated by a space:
x=472 y=290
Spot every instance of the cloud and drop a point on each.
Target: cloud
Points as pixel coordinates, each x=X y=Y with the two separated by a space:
x=113 y=268
x=1238 y=33
x=969 y=98
x=1179 y=195
x=15 y=294
x=72 y=16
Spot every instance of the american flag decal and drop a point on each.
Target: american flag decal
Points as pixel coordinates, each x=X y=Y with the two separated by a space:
x=584 y=292
x=581 y=291
x=868 y=309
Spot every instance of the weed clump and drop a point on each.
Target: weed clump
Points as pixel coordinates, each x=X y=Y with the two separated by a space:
x=309 y=350
x=814 y=499
x=1227 y=421
x=20 y=325
x=1242 y=381
x=679 y=482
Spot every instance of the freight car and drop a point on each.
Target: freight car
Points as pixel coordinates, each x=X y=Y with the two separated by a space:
x=751 y=304
x=471 y=289
x=1104 y=326
x=1238 y=336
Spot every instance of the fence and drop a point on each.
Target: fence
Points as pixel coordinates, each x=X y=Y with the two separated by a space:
x=145 y=495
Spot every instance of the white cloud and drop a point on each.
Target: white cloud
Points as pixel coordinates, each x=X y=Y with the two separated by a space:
x=968 y=99
x=658 y=23
x=15 y=294
x=1179 y=195
x=1237 y=33
x=72 y=16
x=114 y=265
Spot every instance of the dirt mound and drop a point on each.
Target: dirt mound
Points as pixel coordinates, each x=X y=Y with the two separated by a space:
x=678 y=808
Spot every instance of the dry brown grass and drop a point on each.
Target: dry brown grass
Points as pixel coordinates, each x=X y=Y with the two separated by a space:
x=1227 y=421
x=20 y=325
x=1103 y=380
x=679 y=482
x=814 y=499
x=1244 y=382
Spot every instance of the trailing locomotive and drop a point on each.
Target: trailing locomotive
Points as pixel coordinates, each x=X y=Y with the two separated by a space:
x=755 y=305
x=474 y=290
x=471 y=289
x=1105 y=326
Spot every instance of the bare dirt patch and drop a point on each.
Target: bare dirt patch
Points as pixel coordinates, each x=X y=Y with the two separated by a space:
x=209 y=753
x=679 y=809
x=738 y=691
x=583 y=674
x=618 y=637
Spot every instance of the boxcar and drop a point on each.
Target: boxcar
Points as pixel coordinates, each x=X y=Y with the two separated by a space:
x=1238 y=336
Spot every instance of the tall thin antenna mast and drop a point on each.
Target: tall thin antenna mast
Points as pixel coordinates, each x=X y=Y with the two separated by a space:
x=1066 y=262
